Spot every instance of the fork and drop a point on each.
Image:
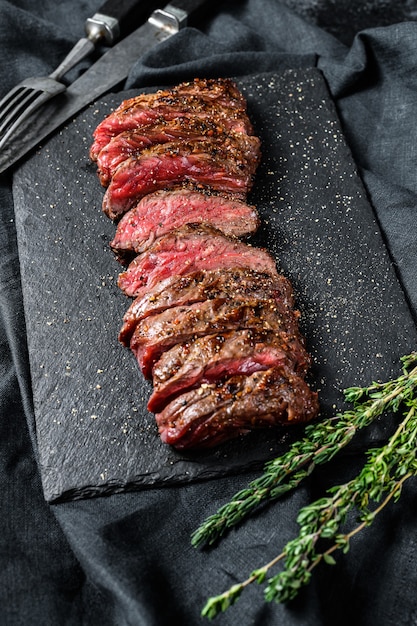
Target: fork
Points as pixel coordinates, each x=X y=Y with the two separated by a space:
x=116 y=17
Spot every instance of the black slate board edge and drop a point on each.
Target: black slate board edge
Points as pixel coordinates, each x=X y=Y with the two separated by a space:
x=73 y=454
x=147 y=481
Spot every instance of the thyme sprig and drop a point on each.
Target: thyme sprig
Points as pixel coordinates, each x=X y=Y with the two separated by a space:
x=386 y=470
x=319 y=445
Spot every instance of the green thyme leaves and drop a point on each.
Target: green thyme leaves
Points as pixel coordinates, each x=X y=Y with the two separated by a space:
x=321 y=523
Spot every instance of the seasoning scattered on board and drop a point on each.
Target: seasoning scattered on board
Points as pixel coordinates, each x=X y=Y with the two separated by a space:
x=212 y=323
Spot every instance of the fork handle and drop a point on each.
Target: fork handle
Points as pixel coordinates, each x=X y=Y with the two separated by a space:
x=118 y=18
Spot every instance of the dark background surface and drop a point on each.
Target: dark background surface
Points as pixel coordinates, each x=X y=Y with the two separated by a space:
x=126 y=559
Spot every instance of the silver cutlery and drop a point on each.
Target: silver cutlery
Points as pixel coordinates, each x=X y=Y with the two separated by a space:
x=106 y=74
x=115 y=19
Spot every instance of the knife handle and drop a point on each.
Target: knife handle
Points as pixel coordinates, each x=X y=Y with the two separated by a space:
x=118 y=18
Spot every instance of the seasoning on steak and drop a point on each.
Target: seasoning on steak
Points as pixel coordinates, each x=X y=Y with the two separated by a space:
x=204 y=99
x=131 y=142
x=215 y=164
x=212 y=358
x=188 y=249
x=239 y=283
x=157 y=333
x=211 y=414
x=160 y=212
x=213 y=323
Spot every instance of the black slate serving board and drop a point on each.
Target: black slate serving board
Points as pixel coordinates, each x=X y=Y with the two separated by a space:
x=93 y=431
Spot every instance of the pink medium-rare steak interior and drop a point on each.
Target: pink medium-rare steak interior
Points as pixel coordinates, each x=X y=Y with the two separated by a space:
x=132 y=142
x=213 y=324
x=187 y=250
x=163 y=211
x=215 y=164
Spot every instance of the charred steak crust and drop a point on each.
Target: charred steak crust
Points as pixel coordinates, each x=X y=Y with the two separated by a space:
x=156 y=334
x=212 y=358
x=211 y=414
x=212 y=323
x=241 y=283
x=212 y=99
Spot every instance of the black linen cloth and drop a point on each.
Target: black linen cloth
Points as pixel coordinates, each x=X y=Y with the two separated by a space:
x=127 y=559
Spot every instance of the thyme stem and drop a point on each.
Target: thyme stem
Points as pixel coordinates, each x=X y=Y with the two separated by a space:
x=348 y=536
x=320 y=444
x=384 y=473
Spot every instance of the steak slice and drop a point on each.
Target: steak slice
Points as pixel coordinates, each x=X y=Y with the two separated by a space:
x=205 y=99
x=163 y=211
x=212 y=414
x=157 y=333
x=212 y=358
x=219 y=91
x=187 y=250
x=240 y=283
x=131 y=142
x=215 y=164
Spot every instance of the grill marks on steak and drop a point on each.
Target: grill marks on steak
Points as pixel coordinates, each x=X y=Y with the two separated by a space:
x=186 y=250
x=211 y=414
x=212 y=358
x=224 y=166
x=159 y=213
x=157 y=333
x=213 y=100
x=240 y=283
x=212 y=323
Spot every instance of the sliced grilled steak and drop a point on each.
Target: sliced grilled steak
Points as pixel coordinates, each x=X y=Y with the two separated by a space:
x=187 y=250
x=200 y=99
x=157 y=333
x=219 y=165
x=213 y=323
x=212 y=358
x=164 y=211
x=219 y=91
x=131 y=142
x=237 y=283
x=209 y=415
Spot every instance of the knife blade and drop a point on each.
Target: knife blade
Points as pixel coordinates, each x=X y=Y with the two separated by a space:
x=105 y=74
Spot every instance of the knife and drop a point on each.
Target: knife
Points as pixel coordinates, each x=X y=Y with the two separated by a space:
x=114 y=20
x=105 y=74
x=117 y=18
